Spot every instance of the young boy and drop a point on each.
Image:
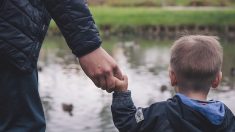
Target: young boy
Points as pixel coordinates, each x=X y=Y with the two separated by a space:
x=195 y=67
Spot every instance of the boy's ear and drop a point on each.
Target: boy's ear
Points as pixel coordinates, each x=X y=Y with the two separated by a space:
x=216 y=81
x=172 y=76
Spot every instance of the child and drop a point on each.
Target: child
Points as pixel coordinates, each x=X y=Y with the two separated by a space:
x=195 y=67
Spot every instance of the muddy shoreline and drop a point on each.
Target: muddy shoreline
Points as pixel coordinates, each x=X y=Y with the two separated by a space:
x=162 y=32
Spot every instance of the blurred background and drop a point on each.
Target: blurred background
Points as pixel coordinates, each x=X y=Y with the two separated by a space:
x=138 y=34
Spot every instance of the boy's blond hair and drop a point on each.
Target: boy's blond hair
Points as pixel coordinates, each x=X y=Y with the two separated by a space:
x=196 y=60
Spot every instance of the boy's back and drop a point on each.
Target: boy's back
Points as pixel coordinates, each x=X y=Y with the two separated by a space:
x=195 y=68
x=172 y=115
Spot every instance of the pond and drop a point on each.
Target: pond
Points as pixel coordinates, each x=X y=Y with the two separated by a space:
x=72 y=103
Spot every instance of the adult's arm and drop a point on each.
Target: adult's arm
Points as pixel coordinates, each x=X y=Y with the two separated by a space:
x=78 y=27
x=128 y=118
x=76 y=24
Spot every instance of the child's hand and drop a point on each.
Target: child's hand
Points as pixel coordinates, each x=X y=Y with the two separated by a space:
x=121 y=85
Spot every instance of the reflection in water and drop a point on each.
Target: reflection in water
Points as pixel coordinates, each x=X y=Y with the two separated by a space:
x=46 y=101
x=145 y=63
x=232 y=78
x=105 y=116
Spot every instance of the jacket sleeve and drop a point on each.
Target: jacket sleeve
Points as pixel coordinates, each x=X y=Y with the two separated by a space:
x=76 y=24
x=128 y=118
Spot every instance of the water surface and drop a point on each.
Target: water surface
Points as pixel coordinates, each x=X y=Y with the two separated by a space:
x=63 y=83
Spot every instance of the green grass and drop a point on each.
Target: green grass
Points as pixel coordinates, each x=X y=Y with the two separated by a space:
x=155 y=16
x=143 y=16
x=161 y=2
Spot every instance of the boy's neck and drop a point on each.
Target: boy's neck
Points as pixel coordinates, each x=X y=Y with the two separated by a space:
x=195 y=95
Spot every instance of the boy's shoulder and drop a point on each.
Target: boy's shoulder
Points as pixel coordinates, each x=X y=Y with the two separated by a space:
x=161 y=109
x=163 y=105
x=157 y=114
x=229 y=120
x=179 y=115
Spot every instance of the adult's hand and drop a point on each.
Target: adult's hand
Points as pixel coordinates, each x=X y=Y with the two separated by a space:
x=101 y=68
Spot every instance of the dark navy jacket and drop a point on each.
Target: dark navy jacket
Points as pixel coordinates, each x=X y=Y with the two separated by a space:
x=168 y=116
x=24 y=23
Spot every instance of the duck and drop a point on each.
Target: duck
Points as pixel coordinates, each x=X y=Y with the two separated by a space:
x=68 y=108
x=232 y=72
x=163 y=88
x=39 y=68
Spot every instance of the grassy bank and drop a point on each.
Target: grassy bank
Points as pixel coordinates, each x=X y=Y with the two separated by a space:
x=133 y=16
x=119 y=19
x=169 y=17
x=163 y=2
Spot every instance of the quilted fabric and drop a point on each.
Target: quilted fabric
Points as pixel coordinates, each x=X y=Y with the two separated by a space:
x=24 y=23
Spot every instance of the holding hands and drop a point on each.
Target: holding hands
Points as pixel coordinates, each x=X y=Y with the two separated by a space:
x=121 y=85
x=102 y=69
